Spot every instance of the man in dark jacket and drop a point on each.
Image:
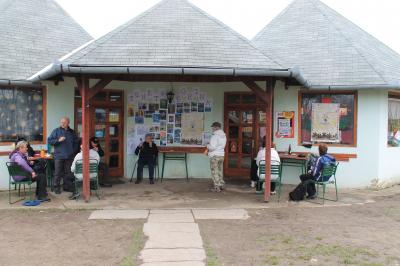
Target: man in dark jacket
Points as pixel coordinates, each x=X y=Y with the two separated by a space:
x=66 y=145
x=315 y=172
x=148 y=154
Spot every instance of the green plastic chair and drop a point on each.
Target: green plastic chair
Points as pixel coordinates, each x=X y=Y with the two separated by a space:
x=276 y=170
x=16 y=170
x=329 y=170
x=94 y=176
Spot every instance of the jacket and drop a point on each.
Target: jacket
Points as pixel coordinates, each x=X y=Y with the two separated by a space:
x=275 y=160
x=20 y=159
x=316 y=168
x=216 y=147
x=93 y=155
x=146 y=152
x=67 y=148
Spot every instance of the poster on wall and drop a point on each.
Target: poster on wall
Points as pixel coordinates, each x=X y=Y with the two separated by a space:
x=325 y=122
x=192 y=128
x=284 y=124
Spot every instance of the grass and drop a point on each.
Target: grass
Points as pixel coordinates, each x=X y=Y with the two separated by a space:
x=272 y=260
x=212 y=258
x=136 y=246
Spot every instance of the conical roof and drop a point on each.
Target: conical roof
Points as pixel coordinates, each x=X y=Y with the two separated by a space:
x=34 y=33
x=174 y=33
x=329 y=49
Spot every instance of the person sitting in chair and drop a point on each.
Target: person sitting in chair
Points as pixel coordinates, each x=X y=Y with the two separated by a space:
x=148 y=153
x=275 y=160
x=19 y=156
x=93 y=155
x=315 y=171
x=95 y=145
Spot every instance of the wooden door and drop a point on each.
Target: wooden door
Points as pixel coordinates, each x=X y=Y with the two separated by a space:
x=107 y=115
x=244 y=118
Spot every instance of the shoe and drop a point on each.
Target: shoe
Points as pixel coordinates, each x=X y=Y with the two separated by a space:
x=74 y=196
x=105 y=184
x=253 y=184
x=222 y=188
x=215 y=189
x=151 y=182
x=310 y=197
x=57 y=191
x=138 y=181
x=273 y=192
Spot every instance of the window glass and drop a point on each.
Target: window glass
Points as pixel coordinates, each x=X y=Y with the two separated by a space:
x=328 y=117
x=21 y=114
x=394 y=122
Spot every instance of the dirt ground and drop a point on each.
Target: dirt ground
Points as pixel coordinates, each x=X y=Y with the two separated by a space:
x=67 y=238
x=367 y=235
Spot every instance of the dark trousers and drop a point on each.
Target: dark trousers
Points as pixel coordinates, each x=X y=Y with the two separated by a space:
x=310 y=186
x=103 y=167
x=41 y=183
x=150 y=164
x=254 y=174
x=63 y=171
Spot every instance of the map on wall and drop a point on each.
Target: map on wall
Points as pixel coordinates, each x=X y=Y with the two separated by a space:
x=192 y=128
x=325 y=122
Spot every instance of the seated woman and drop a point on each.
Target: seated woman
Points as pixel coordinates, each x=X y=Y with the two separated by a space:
x=19 y=156
x=95 y=145
x=148 y=153
x=275 y=160
x=93 y=155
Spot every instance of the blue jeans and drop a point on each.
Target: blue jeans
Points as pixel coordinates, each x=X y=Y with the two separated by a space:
x=150 y=164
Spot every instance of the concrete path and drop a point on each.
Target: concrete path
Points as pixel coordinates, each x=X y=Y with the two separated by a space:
x=173 y=235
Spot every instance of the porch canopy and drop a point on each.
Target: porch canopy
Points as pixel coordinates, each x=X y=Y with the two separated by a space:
x=174 y=41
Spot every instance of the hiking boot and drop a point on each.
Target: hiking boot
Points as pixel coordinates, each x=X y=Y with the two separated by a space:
x=138 y=181
x=151 y=181
x=311 y=197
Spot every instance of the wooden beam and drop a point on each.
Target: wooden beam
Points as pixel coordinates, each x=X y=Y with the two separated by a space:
x=258 y=91
x=268 y=137
x=101 y=84
x=79 y=84
x=84 y=88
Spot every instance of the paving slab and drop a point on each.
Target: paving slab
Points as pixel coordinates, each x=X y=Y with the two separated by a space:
x=118 y=214
x=171 y=217
x=172 y=235
x=172 y=255
x=220 y=214
x=183 y=263
x=162 y=211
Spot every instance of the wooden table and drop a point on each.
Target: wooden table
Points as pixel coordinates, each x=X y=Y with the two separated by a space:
x=294 y=160
x=178 y=153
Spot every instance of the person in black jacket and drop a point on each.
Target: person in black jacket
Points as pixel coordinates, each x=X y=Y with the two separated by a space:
x=95 y=145
x=148 y=153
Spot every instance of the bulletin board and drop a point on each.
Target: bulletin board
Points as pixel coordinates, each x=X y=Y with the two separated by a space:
x=284 y=124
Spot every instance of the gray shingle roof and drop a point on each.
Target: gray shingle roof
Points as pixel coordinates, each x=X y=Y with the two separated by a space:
x=329 y=49
x=173 y=33
x=34 y=33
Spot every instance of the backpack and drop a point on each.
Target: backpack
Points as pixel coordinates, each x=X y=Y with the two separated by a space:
x=298 y=193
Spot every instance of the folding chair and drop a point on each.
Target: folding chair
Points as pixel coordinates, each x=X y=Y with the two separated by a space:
x=276 y=170
x=327 y=171
x=93 y=173
x=16 y=170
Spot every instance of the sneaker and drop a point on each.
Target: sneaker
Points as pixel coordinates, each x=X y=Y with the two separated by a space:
x=138 y=181
x=74 y=196
x=273 y=192
x=151 y=182
x=215 y=189
x=253 y=184
x=57 y=191
x=311 y=197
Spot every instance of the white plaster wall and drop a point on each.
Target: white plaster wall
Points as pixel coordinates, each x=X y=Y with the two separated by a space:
x=358 y=172
x=389 y=166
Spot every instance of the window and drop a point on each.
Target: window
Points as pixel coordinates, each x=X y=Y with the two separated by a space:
x=394 y=121
x=328 y=117
x=22 y=114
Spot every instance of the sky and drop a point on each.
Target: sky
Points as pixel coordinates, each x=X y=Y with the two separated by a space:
x=248 y=17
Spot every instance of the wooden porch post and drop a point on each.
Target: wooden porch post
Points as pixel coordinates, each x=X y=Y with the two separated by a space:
x=85 y=137
x=268 y=137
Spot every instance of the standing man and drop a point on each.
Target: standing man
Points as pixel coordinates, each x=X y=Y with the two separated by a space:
x=66 y=144
x=216 y=153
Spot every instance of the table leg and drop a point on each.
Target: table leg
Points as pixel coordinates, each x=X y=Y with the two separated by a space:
x=162 y=170
x=187 y=175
